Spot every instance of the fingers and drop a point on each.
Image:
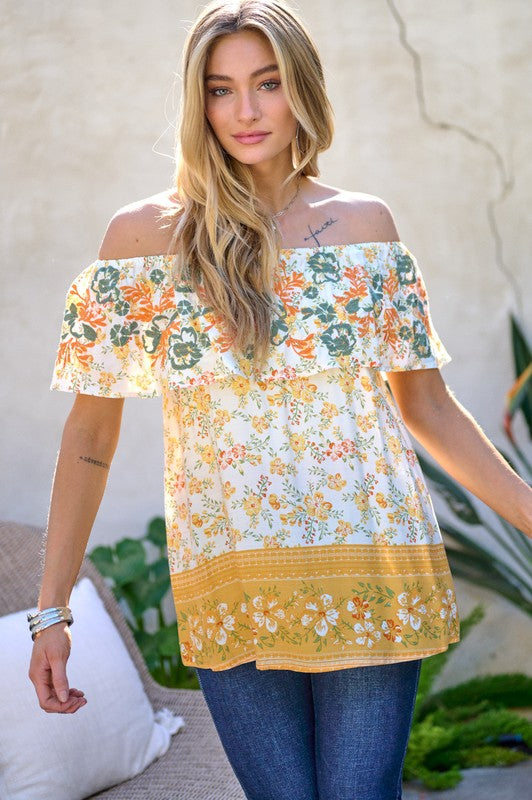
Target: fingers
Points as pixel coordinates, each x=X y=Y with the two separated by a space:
x=52 y=705
x=48 y=699
x=75 y=701
x=59 y=677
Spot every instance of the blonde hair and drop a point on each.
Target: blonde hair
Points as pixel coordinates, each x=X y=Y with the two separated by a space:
x=226 y=246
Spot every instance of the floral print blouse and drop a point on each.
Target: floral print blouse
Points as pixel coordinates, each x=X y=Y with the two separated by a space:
x=301 y=534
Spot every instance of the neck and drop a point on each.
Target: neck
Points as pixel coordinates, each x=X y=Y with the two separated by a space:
x=269 y=177
x=273 y=194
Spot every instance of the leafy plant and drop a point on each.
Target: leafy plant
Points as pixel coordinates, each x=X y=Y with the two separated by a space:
x=137 y=570
x=468 y=725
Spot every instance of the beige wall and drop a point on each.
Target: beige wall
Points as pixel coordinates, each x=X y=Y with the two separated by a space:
x=88 y=92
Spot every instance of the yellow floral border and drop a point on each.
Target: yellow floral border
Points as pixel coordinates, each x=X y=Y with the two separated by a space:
x=377 y=604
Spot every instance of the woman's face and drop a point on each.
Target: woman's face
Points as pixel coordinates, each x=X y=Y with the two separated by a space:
x=245 y=103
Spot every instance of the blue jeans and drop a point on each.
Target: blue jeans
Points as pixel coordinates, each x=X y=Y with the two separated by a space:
x=338 y=735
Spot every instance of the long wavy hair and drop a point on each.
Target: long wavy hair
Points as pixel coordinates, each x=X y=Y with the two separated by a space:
x=225 y=243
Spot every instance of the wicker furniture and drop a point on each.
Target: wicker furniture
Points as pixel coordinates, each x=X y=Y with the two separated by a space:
x=195 y=767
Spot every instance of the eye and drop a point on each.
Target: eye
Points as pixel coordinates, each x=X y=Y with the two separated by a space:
x=272 y=84
x=215 y=92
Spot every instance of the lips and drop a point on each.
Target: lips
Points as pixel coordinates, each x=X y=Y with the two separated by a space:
x=253 y=137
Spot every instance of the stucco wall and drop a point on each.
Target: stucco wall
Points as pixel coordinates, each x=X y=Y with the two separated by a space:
x=88 y=105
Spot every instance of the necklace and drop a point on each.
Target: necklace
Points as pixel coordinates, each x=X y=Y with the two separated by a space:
x=285 y=209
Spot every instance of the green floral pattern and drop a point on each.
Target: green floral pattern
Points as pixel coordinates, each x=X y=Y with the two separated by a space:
x=366 y=304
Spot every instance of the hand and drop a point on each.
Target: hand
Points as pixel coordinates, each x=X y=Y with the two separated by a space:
x=51 y=650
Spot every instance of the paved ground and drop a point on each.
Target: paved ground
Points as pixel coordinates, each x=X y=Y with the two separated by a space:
x=507 y=783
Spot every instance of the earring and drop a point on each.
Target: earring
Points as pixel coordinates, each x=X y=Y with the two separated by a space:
x=296 y=148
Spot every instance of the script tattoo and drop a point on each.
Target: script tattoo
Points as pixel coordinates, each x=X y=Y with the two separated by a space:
x=314 y=234
x=96 y=463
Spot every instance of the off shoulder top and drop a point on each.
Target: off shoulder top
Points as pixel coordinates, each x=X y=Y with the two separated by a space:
x=301 y=534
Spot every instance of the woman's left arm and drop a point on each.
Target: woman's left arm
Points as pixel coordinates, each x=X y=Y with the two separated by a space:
x=452 y=437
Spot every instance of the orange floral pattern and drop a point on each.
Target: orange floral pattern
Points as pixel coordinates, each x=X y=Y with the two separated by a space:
x=307 y=458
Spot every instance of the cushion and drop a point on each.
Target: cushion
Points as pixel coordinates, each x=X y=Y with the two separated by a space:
x=71 y=756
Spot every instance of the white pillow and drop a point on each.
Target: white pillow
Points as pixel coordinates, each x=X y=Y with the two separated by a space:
x=72 y=756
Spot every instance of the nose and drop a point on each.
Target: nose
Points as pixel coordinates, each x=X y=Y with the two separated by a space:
x=248 y=107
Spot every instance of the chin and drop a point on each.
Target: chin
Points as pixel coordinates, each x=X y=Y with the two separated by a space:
x=254 y=157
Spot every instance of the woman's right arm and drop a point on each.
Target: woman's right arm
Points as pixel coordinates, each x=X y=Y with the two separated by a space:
x=88 y=444
x=87 y=448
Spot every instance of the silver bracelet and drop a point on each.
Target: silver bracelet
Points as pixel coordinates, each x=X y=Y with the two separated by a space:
x=47 y=617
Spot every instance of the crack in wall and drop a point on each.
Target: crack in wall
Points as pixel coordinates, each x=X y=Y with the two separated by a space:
x=507 y=179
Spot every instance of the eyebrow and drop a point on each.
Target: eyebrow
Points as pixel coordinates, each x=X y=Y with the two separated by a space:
x=261 y=71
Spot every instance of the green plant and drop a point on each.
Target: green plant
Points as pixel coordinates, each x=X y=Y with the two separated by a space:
x=467 y=725
x=137 y=570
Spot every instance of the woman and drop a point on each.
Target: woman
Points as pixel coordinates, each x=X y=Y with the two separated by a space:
x=307 y=566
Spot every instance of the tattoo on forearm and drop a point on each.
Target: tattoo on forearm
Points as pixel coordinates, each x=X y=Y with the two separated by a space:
x=96 y=463
x=314 y=234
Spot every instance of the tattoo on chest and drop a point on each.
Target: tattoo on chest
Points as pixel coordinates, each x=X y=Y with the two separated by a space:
x=315 y=233
x=94 y=461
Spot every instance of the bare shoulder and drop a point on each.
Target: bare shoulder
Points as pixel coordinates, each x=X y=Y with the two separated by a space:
x=142 y=228
x=371 y=218
x=362 y=217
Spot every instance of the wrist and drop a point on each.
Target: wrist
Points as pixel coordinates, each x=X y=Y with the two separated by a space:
x=52 y=601
x=55 y=597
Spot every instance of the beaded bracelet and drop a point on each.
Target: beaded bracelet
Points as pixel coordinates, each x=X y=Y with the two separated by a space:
x=47 y=617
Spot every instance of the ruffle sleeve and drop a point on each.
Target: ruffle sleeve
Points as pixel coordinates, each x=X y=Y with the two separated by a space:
x=406 y=334
x=116 y=313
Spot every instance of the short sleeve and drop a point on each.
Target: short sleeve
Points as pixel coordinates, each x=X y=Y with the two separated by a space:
x=408 y=339
x=102 y=348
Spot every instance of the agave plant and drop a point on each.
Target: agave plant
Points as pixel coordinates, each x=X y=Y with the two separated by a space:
x=519 y=398
x=511 y=575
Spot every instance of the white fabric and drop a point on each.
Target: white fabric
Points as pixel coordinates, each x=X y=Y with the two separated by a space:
x=285 y=481
x=168 y=720
x=72 y=756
